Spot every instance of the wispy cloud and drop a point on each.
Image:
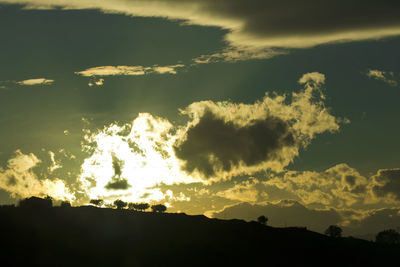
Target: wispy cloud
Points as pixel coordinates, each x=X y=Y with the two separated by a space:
x=28 y=82
x=385 y=76
x=38 y=81
x=127 y=70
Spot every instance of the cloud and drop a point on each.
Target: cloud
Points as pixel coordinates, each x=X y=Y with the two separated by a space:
x=38 y=81
x=387 y=183
x=120 y=184
x=98 y=82
x=214 y=145
x=370 y=222
x=126 y=70
x=54 y=164
x=29 y=82
x=130 y=161
x=340 y=186
x=384 y=76
x=219 y=140
x=117 y=182
x=20 y=180
x=224 y=139
x=259 y=27
x=244 y=192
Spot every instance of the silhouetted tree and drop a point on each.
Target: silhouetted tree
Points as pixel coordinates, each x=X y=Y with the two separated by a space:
x=334 y=231
x=158 y=208
x=262 y=219
x=36 y=202
x=120 y=204
x=389 y=236
x=97 y=202
x=139 y=206
x=65 y=204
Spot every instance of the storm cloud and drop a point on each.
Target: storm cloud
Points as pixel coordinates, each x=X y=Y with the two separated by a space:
x=214 y=144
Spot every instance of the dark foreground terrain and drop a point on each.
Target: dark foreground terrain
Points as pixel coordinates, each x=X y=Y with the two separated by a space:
x=88 y=236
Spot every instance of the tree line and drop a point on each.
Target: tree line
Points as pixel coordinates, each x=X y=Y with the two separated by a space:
x=120 y=204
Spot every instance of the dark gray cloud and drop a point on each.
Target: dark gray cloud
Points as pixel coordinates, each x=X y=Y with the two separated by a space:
x=388 y=183
x=292 y=17
x=263 y=23
x=214 y=145
x=116 y=164
x=120 y=184
x=117 y=183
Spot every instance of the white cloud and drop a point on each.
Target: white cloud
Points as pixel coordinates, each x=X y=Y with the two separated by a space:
x=38 y=81
x=385 y=76
x=126 y=70
x=54 y=164
x=167 y=69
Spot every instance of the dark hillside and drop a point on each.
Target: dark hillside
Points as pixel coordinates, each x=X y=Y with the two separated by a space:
x=88 y=236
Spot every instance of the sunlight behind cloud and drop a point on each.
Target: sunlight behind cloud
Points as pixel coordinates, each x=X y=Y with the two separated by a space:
x=145 y=159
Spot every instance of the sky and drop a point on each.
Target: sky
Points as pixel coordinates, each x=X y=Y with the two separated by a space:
x=230 y=109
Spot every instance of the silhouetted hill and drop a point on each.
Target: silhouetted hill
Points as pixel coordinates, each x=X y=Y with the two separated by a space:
x=88 y=236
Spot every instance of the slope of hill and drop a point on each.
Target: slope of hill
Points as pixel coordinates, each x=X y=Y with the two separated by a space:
x=88 y=236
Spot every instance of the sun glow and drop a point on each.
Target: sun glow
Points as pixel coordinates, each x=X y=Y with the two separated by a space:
x=129 y=162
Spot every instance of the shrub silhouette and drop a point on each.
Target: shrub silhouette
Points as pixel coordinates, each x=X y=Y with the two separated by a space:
x=389 y=236
x=97 y=202
x=139 y=206
x=158 y=208
x=120 y=204
x=36 y=203
x=65 y=204
x=334 y=231
x=262 y=219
